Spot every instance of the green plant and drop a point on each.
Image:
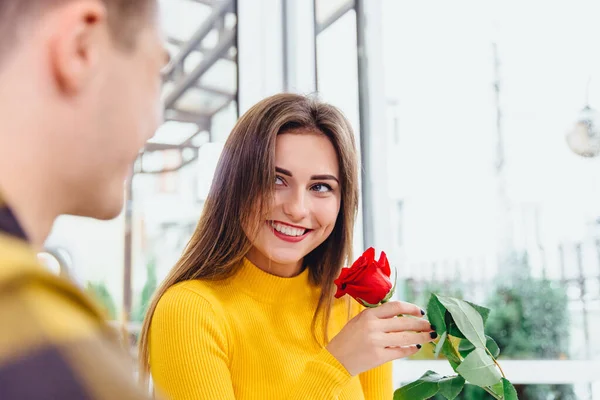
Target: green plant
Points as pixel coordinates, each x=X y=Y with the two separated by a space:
x=421 y=292
x=474 y=359
x=147 y=292
x=526 y=308
x=99 y=292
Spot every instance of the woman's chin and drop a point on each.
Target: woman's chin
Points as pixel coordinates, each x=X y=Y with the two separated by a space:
x=286 y=259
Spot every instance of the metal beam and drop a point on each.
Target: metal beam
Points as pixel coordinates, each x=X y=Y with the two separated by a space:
x=152 y=147
x=199 y=35
x=300 y=50
x=172 y=114
x=201 y=49
x=174 y=169
x=222 y=107
x=186 y=144
x=215 y=90
x=189 y=80
x=128 y=251
x=536 y=372
x=337 y=14
x=205 y=2
x=376 y=203
x=364 y=131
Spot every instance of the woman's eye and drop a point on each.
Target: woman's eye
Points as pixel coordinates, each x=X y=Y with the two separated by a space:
x=321 y=188
x=279 y=181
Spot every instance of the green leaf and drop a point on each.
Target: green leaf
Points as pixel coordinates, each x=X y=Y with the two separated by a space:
x=392 y=290
x=479 y=369
x=450 y=352
x=498 y=388
x=451 y=386
x=492 y=346
x=483 y=311
x=440 y=344
x=451 y=325
x=509 y=390
x=452 y=328
x=465 y=347
x=423 y=388
x=435 y=313
x=467 y=320
x=368 y=305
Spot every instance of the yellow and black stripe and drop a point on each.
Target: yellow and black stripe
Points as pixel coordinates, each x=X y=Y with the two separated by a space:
x=54 y=341
x=8 y=222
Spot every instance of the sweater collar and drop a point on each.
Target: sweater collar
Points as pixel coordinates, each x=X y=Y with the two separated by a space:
x=269 y=288
x=9 y=223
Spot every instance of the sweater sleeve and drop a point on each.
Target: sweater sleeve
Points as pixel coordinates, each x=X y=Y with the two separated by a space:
x=323 y=378
x=189 y=349
x=377 y=383
x=189 y=355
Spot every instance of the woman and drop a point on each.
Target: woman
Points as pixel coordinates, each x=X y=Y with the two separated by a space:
x=248 y=310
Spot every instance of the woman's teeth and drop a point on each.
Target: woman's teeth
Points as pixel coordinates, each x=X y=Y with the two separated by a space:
x=288 y=230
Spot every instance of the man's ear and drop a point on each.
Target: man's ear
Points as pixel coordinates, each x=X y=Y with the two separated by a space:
x=80 y=32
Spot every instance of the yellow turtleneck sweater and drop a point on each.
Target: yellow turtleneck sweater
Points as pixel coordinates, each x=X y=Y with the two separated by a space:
x=249 y=338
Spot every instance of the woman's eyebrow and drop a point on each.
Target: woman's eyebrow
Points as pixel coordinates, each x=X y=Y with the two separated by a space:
x=325 y=177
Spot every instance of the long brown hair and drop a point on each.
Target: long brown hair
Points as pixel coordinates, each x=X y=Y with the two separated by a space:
x=242 y=189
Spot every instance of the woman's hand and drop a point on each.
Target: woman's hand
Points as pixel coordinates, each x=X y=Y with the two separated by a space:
x=377 y=335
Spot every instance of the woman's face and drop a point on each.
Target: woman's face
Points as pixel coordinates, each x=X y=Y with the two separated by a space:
x=306 y=202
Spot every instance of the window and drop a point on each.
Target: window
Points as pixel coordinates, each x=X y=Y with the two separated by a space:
x=504 y=201
x=400 y=223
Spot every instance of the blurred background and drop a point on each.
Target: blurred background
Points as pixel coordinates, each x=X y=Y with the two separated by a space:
x=478 y=130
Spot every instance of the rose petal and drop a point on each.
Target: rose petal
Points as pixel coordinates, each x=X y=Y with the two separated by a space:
x=372 y=287
x=339 y=293
x=369 y=254
x=365 y=258
x=384 y=264
x=353 y=272
x=366 y=279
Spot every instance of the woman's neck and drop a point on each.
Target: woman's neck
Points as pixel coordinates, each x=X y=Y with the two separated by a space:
x=271 y=267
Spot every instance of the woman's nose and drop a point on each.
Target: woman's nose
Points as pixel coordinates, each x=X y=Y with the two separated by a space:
x=295 y=206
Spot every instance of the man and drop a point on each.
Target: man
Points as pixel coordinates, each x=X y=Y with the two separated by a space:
x=79 y=96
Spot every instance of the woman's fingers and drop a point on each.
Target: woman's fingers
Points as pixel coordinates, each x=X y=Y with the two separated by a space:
x=403 y=339
x=401 y=324
x=394 y=308
x=394 y=353
x=376 y=336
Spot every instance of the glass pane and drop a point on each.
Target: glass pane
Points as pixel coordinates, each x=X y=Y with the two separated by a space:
x=492 y=125
x=181 y=18
x=167 y=205
x=174 y=132
x=337 y=76
x=221 y=77
x=200 y=102
x=325 y=9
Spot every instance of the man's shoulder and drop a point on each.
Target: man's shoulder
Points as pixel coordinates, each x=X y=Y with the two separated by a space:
x=16 y=258
x=54 y=342
x=44 y=302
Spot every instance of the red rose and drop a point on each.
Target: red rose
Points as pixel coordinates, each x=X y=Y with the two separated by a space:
x=367 y=281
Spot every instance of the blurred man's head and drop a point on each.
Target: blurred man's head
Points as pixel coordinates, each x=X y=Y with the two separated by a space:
x=79 y=96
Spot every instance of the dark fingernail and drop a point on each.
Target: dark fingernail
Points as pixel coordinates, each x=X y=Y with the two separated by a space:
x=433 y=334
x=433 y=327
x=418 y=346
x=422 y=312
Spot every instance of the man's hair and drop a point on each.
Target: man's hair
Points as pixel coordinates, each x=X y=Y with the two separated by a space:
x=125 y=17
